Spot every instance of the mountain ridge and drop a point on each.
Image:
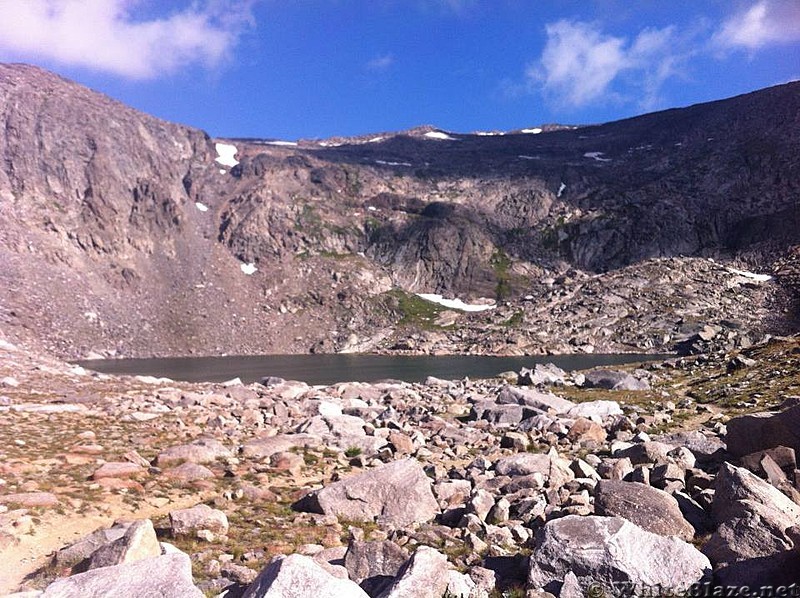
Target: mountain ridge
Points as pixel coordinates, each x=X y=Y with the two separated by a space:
x=123 y=235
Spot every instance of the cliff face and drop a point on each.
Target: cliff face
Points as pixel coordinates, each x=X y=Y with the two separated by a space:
x=123 y=234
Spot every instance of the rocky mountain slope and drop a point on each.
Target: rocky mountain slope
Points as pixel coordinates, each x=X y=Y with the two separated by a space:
x=124 y=235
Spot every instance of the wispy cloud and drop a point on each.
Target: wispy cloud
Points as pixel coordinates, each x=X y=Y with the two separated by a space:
x=768 y=22
x=380 y=63
x=105 y=35
x=581 y=64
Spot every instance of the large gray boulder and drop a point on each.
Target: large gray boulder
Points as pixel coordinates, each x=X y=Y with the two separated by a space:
x=602 y=550
x=756 y=539
x=76 y=552
x=373 y=565
x=759 y=431
x=601 y=409
x=705 y=448
x=425 y=575
x=650 y=508
x=614 y=380
x=542 y=374
x=138 y=542
x=166 y=576
x=535 y=399
x=554 y=470
x=187 y=522
x=394 y=495
x=298 y=576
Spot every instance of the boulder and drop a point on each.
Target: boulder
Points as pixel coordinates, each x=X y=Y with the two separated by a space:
x=782 y=456
x=542 y=374
x=585 y=430
x=122 y=469
x=760 y=431
x=614 y=380
x=374 y=565
x=754 y=543
x=30 y=499
x=601 y=409
x=425 y=575
x=503 y=415
x=705 y=448
x=76 y=552
x=298 y=576
x=203 y=450
x=651 y=509
x=605 y=550
x=139 y=542
x=189 y=472
x=165 y=576
x=645 y=453
x=544 y=401
x=553 y=469
x=395 y=495
x=187 y=522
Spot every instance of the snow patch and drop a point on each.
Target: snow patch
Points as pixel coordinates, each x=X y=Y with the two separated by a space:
x=439 y=135
x=596 y=156
x=282 y=143
x=201 y=206
x=529 y=157
x=489 y=133
x=454 y=303
x=534 y=131
x=152 y=380
x=372 y=208
x=376 y=139
x=248 y=268
x=222 y=171
x=225 y=154
x=561 y=188
x=751 y=275
x=385 y=163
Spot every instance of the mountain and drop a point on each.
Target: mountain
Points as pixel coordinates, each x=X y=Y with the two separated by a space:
x=121 y=234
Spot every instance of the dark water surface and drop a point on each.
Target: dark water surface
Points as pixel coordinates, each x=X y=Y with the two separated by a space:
x=329 y=369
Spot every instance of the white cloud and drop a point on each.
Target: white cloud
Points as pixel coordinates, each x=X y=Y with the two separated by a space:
x=105 y=35
x=581 y=64
x=380 y=63
x=765 y=23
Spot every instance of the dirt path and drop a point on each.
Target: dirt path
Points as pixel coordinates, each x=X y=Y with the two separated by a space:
x=56 y=531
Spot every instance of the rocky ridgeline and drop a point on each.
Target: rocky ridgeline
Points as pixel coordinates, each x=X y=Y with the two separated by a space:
x=546 y=482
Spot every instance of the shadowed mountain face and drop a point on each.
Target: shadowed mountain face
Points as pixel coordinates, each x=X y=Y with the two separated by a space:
x=123 y=234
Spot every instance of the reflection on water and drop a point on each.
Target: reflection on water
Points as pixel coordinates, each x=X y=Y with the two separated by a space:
x=329 y=369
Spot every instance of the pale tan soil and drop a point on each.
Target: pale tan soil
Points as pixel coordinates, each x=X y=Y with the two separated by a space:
x=56 y=531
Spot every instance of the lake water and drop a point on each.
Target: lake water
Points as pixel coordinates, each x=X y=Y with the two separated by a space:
x=329 y=369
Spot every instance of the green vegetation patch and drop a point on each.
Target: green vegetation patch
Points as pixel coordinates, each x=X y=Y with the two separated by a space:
x=413 y=310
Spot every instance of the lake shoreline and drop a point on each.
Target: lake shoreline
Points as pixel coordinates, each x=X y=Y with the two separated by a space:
x=338 y=368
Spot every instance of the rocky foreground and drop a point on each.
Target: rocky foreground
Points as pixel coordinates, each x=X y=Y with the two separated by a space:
x=674 y=476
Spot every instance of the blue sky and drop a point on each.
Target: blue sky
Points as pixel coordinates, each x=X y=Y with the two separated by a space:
x=294 y=69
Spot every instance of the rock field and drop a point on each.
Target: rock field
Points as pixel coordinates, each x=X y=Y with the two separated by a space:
x=670 y=475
